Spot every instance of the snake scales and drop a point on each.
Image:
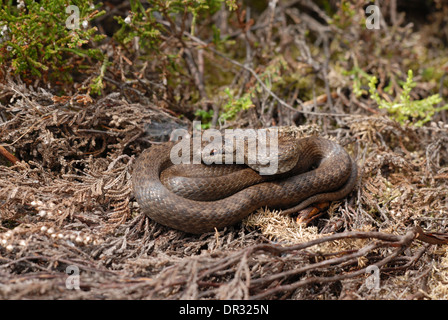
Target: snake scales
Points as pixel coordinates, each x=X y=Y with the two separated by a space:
x=324 y=172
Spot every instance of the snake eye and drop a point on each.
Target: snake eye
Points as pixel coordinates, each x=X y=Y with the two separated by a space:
x=213 y=152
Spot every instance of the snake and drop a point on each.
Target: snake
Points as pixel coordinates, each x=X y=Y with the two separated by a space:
x=166 y=192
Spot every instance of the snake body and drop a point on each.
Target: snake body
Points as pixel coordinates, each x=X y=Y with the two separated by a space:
x=333 y=178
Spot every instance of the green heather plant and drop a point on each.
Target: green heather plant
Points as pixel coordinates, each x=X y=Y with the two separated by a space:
x=159 y=25
x=230 y=109
x=235 y=105
x=143 y=20
x=403 y=109
x=35 y=40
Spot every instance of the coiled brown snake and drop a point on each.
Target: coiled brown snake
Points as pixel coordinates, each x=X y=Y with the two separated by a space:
x=324 y=172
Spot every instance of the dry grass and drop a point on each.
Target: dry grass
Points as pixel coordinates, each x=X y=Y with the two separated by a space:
x=83 y=214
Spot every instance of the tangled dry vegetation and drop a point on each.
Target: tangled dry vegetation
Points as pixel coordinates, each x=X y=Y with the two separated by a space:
x=66 y=198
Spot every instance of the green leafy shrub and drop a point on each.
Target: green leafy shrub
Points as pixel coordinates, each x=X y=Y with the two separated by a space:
x=206 y=118
x=234 y=105
x=143 y=23
x=35 y=40
x=229 y=110
x=402 y=109
x=359 y=78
